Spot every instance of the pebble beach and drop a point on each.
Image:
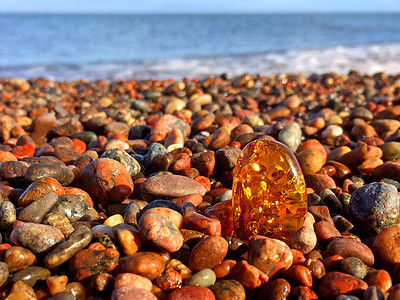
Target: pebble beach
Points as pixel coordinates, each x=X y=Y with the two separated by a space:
x=123 y=189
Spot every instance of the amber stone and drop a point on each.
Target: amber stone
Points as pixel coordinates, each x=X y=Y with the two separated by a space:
x=269 y=192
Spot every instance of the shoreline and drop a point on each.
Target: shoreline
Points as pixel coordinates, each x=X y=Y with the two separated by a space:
x=124 y=187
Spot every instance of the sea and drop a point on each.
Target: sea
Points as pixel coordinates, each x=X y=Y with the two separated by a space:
x=111 y=46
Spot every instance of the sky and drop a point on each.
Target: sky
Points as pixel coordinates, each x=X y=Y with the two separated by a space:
x=197 y=6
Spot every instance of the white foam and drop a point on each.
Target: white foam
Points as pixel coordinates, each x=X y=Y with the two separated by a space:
x=341 y=59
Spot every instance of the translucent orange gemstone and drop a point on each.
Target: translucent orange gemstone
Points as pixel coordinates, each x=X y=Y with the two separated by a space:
x=269 y=192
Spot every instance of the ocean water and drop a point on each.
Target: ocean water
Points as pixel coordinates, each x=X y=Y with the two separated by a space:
x=70 y=47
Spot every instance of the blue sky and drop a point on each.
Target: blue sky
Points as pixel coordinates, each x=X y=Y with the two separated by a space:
x=203 y=6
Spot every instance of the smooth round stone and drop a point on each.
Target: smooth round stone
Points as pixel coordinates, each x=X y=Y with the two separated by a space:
x=170 y=186
x=228 y=289
x=38 y=189
x=146 y=264
x=266 y=168
x=133 y=280
x=4 y=272
x=107 y=181
x=127 y=292
x=8 y=214
x=88 y=262
x=76 y=289
x=350 y=248
x=128 y=237
x=374 y=207
x=219 y=139
x=391 y=151
x=336 y=283
x=76 y=241
x=165 y=125
x=303 y=239
x=125 y=159
x=159 y=230
x=171 y=215
x=155 y=149
x=208 y=253
x=331 y=200
x=269 y=255
x=291 y=136
x=30 y=275
x=61 y=173
x=205 y=277
x=310 y=160
x=354 y=266
x=192 y=293
x=386 y=245
x=75 y=208
x=86 y=136
x=131 y=215
x=18 y=258
x=37 y=238
x=277 y=289
x=36 y=211
x=114 y=220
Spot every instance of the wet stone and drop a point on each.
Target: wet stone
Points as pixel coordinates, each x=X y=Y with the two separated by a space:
x=354 y=266
x=131 y=215
x=36 y=211
x=277 y=289
x=204 y=277
x=37 y=238
x=18 y=258
x=61 y=173
x=75 y=208
x=30 y=275
x=14 y=171
x=228 y=289
x=76 y=241
x=125 y=159
x=39 y=188
x=88 y=262
x=269 y=166
x=146 y=264
x=60 y=222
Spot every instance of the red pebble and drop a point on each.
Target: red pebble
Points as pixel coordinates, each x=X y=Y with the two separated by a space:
x=79 y=146
x=222 y=212
x=192 y=293
x=196 y=221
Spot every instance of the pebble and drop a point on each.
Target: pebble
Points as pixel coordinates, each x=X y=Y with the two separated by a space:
x=228 y=289
x=36 y=211
x=30 y=275
x=21 y=290
x=170 y=186
x=133 y=280
x=8 y=214
x=336 y=283
x=354 y=267
x=373 y=292
x=192 y=293
x=88 y=262
x=37 y=238
x=130 y=163
x=39 y=188
x=107 y=181
x=326 y=232
x=291 y=136
x=4 y=272
x=303 y=240
x=75 y=208
x=199 y=222
x=146 y=264
x=350 y=248
x=204 y=162
x=204 y=277
x=128 y=237
x=76 y=241
x=374 y=207
x=386 y=246
x=277 y=289
x=161 y=231
x=208 y=253
x=61 y=173
x=226 y=158
x=311 y=161
x=56 y=284
x=248 y=275
x=18 y=258
x=126 y=292
x=269 y=255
